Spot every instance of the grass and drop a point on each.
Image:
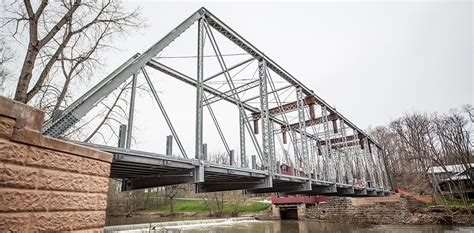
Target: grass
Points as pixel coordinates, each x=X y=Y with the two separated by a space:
x=200 y=206
x=454 y=202
x=459 y=202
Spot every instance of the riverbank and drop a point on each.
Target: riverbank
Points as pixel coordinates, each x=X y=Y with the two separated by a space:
x=375 y=211
x=187 y=209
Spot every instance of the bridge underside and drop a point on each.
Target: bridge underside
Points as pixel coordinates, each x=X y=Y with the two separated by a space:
x=141 y=169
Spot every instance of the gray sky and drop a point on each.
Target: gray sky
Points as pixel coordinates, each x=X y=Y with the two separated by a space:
x=373 y=61
x=393 y=57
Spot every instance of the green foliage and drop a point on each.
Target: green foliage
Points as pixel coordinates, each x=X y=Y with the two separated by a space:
x=459 y=202
x=200 y=206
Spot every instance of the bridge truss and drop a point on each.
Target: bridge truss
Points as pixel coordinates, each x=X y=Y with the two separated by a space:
x=300 y=144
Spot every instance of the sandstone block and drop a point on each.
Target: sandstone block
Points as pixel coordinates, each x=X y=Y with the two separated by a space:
x=13 y=152
x=14 y=222
x=20 y=200
x=59 y=180
x=98 y=184
x=88 y=219
x=95 y=167
x=19 y=176
x=75 y=201
x=40 y=157
x=7 y=126
x=51 y=221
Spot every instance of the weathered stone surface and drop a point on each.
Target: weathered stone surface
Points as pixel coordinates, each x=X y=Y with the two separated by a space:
x=47 y=184
x=76 y=201
x=14 y=222
x=301 y=211
x=341 y=210
x=7 y=126
x=26 y=117
x=275 y=211
x=98 y=184
x=374 y=200
x=89 y=219
x=93 y=230
x=95 y=167
x=20 y=200
x=52 y=221
x=64 y=181
x=19 y=176
x=31 y=137
x=40 y=157
x=13 y=152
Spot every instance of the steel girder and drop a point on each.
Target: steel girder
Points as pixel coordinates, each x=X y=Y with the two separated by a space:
x=86 y=102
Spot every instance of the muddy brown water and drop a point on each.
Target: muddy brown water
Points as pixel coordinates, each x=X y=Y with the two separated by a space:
x=285 y=226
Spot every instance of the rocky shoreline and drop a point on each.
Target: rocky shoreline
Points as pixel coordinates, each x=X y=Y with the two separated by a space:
x=404 y=211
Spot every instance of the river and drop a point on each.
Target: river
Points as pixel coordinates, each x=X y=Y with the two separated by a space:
x=248 y=225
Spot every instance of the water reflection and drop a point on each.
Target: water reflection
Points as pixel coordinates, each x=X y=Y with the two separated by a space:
x=289 y=226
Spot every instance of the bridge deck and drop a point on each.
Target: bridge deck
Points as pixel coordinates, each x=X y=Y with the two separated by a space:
x=146 y=169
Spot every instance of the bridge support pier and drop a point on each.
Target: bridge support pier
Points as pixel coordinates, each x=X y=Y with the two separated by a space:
x=71 y=180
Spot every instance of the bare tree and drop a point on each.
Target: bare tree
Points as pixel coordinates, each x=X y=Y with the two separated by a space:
x=83 y=26
x=6 y=56
x=416 y=142
x=469 y=111
x=171 y=192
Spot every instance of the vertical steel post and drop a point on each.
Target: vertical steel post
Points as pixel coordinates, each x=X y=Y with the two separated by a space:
x=169 y=145
x=312 y=157
x=199 y=100
x=254 y=162
x=303 y=137
x=131 y=110
x=231 y=158
x=204 y=151
x=365 y=167
x=347 y=153
x=122 y=136
x=271 y=143
x=121 y=144
x=265 y=118
x=379 y=167
x=243 y=159
x=330 y=172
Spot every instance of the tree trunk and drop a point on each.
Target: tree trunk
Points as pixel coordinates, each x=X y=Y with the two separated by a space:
x=62 y=95
x=26 y=74
x=171 y=205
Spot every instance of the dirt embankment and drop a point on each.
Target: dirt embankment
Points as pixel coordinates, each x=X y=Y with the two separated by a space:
x=442 y=215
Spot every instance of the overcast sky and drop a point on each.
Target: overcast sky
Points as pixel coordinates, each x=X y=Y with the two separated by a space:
x=373 y=61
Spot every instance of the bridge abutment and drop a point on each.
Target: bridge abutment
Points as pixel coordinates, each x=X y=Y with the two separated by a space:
x=47 y=184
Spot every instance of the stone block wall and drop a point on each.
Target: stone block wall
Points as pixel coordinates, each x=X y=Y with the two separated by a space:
x=47 y=184
x=370 y=210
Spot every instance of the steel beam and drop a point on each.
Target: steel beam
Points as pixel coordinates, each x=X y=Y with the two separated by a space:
x=288 y=107
x=131 y=111
x=163 y=111
x=169 y=145
x=243 y=157
x=225 y=30
x=86 y=102
x=229 y=69
x=267 y=156
x=180 y=76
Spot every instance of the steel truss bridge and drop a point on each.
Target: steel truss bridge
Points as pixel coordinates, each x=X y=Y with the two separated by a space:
x=330 y=155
